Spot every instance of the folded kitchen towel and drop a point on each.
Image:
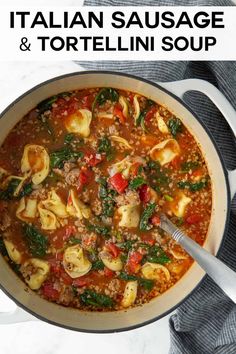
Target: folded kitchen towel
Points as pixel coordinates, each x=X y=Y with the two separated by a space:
x=206 y=321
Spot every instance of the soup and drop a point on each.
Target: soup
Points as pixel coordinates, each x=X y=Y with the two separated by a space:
x=83 y=177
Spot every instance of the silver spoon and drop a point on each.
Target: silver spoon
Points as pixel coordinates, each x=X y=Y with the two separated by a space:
x=223 y=276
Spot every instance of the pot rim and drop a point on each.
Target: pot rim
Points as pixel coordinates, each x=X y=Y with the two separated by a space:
x=155 y=85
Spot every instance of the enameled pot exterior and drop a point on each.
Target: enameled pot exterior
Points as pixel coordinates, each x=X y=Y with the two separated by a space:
x=157 y=308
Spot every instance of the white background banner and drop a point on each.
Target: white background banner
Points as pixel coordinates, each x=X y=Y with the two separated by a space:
x=118 y=33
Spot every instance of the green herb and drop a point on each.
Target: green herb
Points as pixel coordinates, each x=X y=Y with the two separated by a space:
x=175 y=126
x=157 y=255
x=137 y=182
x=168 y=198
x=190 y=165
x=69 y=138
x=104 y=146
x=47 y=126
x=98 y=265
x=104 y=95
x=26 y=190
x=107 y=197
x=57 y=158
x=46 y=104
x=157 y=176
x=74 y=289
x=3 y=249
x=92 y=298
x=15 y=267
x=147 y=284
x=140 y=121
x=74 y=241
x=8 y=193
x=144 y=224
x=123 y=258
x=193 y=187
x=180 y=221
x=127 y=245
x=37 y=242
x=101 y=230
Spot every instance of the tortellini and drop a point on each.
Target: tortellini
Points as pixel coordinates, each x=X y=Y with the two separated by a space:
x=75 y=262
x=27 y=209
x=136 y=108
x=179 y=204
x=114 y=264
x=47 y=218
x=79 y=122
x=38 y=271
x=130 y=215
x=55 y=204
x=121 y=141
x=9 y=179
x=35 y=161
x=165 y=151
x=161 y=124
x=130 y=293
x=125 y=106
x=76 y=207
x=125 y=165
x=154 y=271
x=12 y=251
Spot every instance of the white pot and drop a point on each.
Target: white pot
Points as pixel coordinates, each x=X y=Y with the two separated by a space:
x=223 y=184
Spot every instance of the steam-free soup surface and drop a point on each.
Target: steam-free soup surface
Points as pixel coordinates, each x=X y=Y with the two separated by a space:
x=83 y=177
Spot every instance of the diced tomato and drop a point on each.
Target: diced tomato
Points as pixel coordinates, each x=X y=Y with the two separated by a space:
x=155 y=220
x=150 y=114
x=134 y=260
x=49 y=291
x=84 y=177
x=118 y=182
x=108 y=272
x=118 y=113
x=93 y=159
x=73 y=105
x=66 y=278
x=113 y=249
x=55 y=266
x=87 y=101
x=144 y=193
x=80 y=282
x=134 y=168
x=147 y=238
x=176 y=162
x=194 y=219
x=131 y=97
x=69 y=231
x=197 y=173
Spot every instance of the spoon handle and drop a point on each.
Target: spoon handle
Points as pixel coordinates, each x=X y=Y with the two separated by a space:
x=223 y=276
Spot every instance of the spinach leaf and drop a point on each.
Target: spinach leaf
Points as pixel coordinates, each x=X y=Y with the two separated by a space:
x=36 y=241
x=8 y=193
x=46 y=104
x=3 y=249
x=69 y=138
x=193 y=187
x=26 y=190
x=189 y=165
x=57 y=158
x=101 y=230
x=104 y=95
x=157 y=177
x=175 y=126
x=157 y=255
x=140 y=121
x=92 y=298
x=147 y=284
x=137 y=182
x=74 y=241
x=104 y=146
x=107 y=197
x=127 y=245
x=97 y=265
x=144 y=224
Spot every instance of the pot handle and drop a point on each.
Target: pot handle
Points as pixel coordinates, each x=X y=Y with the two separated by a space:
x=16 y=316
x=179 y=88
